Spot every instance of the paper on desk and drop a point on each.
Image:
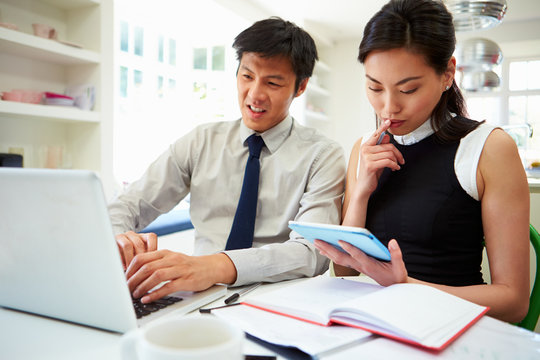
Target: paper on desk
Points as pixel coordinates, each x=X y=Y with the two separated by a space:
x=282 y=330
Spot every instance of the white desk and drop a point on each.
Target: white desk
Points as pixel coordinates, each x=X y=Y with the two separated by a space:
x=25 y=336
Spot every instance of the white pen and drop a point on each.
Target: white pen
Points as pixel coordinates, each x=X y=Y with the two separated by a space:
x=381 y=137
x=236 y=295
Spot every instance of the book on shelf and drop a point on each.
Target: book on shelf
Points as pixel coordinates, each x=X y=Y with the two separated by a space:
x=413 y=313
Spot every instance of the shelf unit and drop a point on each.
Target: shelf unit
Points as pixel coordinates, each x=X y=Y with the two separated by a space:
x=17 y=43
x=34 y=63
x=37 y=112
x=311 y=108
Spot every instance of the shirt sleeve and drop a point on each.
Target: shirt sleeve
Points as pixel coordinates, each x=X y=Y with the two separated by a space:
x=297 y=257
x=163 y=185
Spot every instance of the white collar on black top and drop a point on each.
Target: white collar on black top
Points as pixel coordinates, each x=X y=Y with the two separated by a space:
x=417 y=135
x=420 y=133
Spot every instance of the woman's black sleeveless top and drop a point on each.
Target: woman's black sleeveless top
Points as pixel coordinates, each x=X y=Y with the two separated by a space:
x=438 y=226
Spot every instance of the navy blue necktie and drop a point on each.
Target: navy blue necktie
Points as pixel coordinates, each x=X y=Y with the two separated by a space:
x=241 y=235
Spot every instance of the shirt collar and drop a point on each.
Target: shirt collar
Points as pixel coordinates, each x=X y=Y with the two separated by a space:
x=417 y=135
x=274 y=137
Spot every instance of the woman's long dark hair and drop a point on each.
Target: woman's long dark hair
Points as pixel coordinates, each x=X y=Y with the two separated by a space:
x=423 y=27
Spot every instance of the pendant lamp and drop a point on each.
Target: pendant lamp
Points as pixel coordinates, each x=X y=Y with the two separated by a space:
x=477 y=53
x=476 y=14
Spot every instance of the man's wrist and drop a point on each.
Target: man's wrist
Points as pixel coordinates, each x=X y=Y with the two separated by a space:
x=225 y=271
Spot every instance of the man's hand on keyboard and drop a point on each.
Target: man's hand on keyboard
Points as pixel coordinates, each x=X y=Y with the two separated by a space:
x=131 y=244
x=180 y=271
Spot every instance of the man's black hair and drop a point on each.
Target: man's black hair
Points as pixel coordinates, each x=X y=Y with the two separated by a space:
x=277 y=37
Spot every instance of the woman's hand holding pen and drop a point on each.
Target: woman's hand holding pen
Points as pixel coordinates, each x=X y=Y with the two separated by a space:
x=376 y=154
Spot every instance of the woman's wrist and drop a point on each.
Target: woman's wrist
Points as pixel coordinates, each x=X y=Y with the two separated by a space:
x=361 y=194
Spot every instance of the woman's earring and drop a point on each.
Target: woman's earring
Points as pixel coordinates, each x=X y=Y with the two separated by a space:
x=446 y=88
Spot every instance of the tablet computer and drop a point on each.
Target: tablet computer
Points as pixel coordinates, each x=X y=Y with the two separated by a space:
x=357 y=236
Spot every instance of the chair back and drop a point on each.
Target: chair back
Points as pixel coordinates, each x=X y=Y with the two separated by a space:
x=530 y=320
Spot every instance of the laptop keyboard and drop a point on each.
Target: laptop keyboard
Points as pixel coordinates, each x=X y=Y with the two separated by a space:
x=146 y=309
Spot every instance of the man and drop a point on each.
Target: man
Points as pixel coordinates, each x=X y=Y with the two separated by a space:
x=301 y=178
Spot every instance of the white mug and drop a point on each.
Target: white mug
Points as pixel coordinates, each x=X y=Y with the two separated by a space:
x=184 y=338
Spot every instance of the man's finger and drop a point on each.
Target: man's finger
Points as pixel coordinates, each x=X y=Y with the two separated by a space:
x=165 y=290
x=139 y=244
x=127 y=251
x=150 y=240
x=140 y=260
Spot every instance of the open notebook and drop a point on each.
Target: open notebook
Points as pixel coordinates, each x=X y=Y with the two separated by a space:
x=412 y=313
x=59 y=257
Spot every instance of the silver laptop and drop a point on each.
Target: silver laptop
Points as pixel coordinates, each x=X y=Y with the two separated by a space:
x=58 y=255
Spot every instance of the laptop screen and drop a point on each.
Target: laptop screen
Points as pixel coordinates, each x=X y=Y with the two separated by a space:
x=59 y=257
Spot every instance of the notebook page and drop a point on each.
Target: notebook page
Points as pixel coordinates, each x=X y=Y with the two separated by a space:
x=417 y=310
x=281 y=330
x=314 y=298
x=440 y=336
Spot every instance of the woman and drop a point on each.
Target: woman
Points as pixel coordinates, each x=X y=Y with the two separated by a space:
x=438 y=185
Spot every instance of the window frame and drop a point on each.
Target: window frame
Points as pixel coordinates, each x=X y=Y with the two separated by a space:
x=503 y=93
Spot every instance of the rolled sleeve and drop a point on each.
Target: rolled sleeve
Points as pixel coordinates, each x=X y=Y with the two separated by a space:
x=277 y=262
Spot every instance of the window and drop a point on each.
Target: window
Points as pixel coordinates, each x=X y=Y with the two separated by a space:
x=172 y=52
x=524 y=75
x=218 y=58
x=160 y=48
x=484 y=108
x=199 y=58
x=160 y=86
x=525 y=111
x=138 y=37
x=124 y=36
x=137 y=77
x=199 y=90
x=123 y=81
x=166 y=88
x=524 y=102
x=516 y=107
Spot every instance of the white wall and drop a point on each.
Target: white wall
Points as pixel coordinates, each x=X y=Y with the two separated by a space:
x=352 y=115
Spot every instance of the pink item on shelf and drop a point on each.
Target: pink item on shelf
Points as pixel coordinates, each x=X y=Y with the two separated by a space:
x=32 y=96
x=44 y=31
x=11 y=96
x=9 y=26
x=25 y=96
x=58 y=99
x=52 y=95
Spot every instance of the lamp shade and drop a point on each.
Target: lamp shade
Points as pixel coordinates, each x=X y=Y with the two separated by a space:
x=477 y=53
x=476 y=14
x=480 y=81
